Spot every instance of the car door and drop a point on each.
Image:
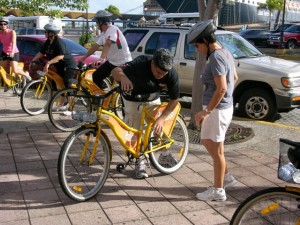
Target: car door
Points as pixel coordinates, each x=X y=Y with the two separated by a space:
x=185 y=64
x=28 y=49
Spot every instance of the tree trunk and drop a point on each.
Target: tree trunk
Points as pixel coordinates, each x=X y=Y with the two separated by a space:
x=206 y=11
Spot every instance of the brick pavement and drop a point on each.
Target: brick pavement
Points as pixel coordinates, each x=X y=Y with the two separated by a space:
x=30 y=193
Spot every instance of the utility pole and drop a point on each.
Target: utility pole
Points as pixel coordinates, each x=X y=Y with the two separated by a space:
x=87 y=23
x=282 y=25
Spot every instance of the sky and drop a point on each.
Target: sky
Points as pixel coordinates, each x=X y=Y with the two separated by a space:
x=123 y=6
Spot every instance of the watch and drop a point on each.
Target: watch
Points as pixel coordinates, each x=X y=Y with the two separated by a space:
x=207 y=111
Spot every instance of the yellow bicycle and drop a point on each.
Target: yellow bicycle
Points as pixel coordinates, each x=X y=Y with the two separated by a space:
x=37 y=94
x=276 y=205
x=84 y=159
x=11 y=80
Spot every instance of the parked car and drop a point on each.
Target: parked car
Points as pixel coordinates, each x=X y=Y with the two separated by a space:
x=291 y=37
x=30 y=45
x=257 y=37
x=266 y=85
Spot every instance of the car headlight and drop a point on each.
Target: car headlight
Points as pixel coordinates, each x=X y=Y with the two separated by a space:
x=290 y=82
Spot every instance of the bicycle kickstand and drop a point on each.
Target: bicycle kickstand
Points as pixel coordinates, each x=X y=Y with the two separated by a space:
x=121 y=167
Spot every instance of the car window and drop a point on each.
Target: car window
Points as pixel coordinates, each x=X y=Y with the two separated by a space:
x=74 y=48
x=28 y=47
x=189 y=50
x=22 y=32
x=162 y=40
x=134 y=37
x=237 y=46
x=40 y=32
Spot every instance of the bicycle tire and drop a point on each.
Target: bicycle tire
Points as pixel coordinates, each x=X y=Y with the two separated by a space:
x=179 y=149
x=79 y=180
x=20 y=84
x=269 y=206
x=35 y=103
x=57 y=110
x=118 y=106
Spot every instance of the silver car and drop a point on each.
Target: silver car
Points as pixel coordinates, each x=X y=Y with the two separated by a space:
x=266 y=85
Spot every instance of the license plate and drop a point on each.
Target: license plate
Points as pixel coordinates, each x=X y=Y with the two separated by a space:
x=271 y=42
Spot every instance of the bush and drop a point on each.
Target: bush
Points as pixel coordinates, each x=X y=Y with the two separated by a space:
x=89 y=39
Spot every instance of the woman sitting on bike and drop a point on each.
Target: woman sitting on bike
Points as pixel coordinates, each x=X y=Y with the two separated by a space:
x=10 y=51
x=57 y=54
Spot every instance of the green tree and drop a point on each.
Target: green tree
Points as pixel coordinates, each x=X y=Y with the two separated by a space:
x=43 y=7
x=113 y=10
x=271 y=5
x=207 y=10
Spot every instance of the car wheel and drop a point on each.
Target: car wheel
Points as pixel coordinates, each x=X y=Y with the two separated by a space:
x=291 y=44
x=258 y=104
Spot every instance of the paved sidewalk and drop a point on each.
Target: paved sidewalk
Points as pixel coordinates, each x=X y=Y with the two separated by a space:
x=30 y=193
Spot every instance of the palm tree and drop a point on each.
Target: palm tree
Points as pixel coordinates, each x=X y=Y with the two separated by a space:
x=271 y=5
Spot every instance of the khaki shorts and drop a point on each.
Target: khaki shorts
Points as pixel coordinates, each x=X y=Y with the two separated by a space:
x=214 y=127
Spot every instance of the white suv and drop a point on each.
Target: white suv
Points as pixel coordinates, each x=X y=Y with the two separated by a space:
x=266 y=85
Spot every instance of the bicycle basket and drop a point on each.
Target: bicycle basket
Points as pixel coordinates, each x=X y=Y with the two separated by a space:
x=289 y=161
x=154 y=111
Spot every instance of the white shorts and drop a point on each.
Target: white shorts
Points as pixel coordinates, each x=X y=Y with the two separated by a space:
x=133 y=112
x=214 y=127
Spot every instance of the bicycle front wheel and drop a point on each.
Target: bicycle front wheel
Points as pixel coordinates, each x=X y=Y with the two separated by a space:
x=82 y=174
x=35 y=97
x=175 y=154
x=270 y=206
x=63 y=104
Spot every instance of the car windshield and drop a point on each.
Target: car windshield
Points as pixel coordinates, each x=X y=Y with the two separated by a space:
x=74 y=48
x=293 y=29
x=237 y=46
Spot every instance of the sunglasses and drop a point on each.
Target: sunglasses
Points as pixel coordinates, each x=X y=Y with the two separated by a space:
x=3 y=24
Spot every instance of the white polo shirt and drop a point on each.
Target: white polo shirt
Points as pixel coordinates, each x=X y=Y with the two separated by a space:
x=118 y=52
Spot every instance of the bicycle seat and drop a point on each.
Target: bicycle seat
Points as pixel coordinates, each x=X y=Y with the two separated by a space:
x=293 y=152
x=290 y=142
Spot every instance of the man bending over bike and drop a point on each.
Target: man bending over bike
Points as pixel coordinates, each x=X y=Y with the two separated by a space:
x=115 y=48
x=10 y=51
x=141 y=79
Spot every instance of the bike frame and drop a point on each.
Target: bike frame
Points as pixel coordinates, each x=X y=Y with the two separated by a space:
x=9 y=78
x=121 y=130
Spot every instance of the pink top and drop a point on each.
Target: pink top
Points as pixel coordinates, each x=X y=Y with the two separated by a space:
x=6 y=40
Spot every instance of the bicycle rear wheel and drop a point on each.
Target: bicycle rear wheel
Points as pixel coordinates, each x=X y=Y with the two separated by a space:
x=20 y=84
x=35 y=97
x=177 y=151
x=63 y=104
x=80 y=179
x=270 y=206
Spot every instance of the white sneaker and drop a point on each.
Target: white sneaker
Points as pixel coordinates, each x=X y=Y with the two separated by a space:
x=68 y=113
x=166 y=159
x=140 y=169
x=28 y=77
x=229 y=180
x=212 y=194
